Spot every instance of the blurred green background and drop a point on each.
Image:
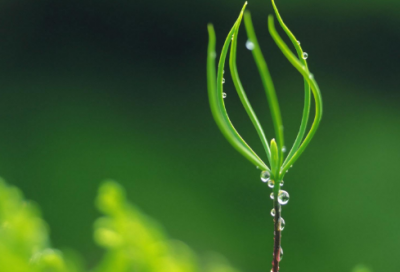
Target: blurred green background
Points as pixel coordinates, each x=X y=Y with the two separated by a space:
x=117 y=89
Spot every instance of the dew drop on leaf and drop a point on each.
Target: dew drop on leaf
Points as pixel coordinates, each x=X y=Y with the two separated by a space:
x=249 y=45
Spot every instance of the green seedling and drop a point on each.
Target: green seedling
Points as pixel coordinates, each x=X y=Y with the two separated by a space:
x=278 y=163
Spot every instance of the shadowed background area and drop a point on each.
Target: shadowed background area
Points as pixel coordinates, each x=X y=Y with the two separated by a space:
x=117 y=89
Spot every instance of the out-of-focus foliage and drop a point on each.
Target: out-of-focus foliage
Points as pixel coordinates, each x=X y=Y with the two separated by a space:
x=24 y=242
x=133 y=241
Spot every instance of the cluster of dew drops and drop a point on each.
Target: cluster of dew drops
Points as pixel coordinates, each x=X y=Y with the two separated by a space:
x=223 y=82
x=283 y=196
x=283 y=199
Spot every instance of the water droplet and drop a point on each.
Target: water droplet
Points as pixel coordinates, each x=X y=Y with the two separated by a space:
x=305 y=55
x=257 y=167
x=311 y=76
x=298 y=42
x=291 y=166
x=271 y=183
x=282 y=182
x=271 y=195
x=223 y=95
x=223 y=80
x=233 y=36
x=273 y=212
x=213 y=54
x=267 y=180
x=281 y=255
x=283 y=197
x=284 y=149
x=281 y=224
x=287 y=171
x=265 y=176
x=249 y=45
x=223 y=71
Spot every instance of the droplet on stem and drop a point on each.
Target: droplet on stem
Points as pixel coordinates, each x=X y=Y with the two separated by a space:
x=273 y=212
x=271 y=183
x=305 y=55
x=281 y=224
x=283 y=197
x=271 y=195
x=223 y=95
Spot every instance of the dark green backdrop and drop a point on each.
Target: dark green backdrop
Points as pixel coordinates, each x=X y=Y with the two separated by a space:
x=117 y=89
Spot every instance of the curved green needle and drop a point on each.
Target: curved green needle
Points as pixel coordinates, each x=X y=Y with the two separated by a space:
x=215 y=91
x=307 y=91
x=314 y=87
x=267 y=83
x=241 y=92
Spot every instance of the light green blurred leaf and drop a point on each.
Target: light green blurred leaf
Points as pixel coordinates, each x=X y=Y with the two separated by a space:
x=135 y=242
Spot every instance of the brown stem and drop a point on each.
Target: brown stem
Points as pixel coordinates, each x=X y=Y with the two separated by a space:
x=277 y=231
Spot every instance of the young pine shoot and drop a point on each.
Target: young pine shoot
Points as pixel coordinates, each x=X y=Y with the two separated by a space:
x=278 y=163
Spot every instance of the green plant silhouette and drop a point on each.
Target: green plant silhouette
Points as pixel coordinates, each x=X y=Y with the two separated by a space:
x=278 y=165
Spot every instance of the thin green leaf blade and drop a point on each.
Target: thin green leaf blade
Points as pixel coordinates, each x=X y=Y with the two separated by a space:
x=274 y=161
x=241 y=92
x=217 y=104
x=314 y=87
x=307 y=91
x=267 y=83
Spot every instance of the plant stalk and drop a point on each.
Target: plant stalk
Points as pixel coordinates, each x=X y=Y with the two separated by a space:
x=277 y=229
